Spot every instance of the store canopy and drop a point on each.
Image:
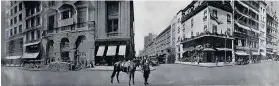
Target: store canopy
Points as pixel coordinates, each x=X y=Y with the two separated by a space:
x=33 y=43
x=208 y=49
x=101 y=51
x=122 y=50
x=13 y=57
x=255 y=53
x=30 y=55
x=111 y=50
x=269 y=53
x=241 y=53
x=224 y=49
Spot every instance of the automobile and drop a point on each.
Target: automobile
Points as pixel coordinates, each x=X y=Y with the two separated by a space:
x=154 y=62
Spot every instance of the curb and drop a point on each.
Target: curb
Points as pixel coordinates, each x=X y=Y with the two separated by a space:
x=206 y=66
x=111 y=69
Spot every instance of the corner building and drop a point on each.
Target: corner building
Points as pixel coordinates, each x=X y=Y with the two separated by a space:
x=207 y=31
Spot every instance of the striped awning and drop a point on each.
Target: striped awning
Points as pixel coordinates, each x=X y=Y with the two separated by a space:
x=100 y=51
x=122 y=50
x=111 y=51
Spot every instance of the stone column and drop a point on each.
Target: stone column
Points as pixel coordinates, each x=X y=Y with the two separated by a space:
x=57 y=50
x=233 y=54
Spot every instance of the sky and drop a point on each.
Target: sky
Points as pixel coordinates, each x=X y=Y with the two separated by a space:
x=154 y=17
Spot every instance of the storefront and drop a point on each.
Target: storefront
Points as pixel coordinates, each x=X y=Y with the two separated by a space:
x=107 y=54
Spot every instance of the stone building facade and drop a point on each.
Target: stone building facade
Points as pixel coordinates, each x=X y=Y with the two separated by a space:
x=15 y=31
x=101 y=32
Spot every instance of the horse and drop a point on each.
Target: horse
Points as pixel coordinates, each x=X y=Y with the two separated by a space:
x=129 y=67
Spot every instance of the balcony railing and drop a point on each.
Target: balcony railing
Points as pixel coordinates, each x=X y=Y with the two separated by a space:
x=112 y=34
x=65 y=22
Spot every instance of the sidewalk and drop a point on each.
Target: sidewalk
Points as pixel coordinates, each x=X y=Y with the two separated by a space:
x=110 y=68
x=220 y=64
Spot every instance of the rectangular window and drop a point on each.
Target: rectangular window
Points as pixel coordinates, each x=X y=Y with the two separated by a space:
x=112 y=16
x=38 y=21
x=38 y=34
x=215 y=14
x=11 y=22
x=38 y=9
x=228 y=18
x=11 y=13
x=32 y=35
x=192 y=23
x=32 y=22
x=27 y=36
x=20 y=6
x=66 y=14
x=205 y=15
x=11 y=32
x=178 y=31
x=20 y=17
x=15 y=20
x=20 y=28
x=214 y=28
x=51 y=22
x=112 y=25
x=15 y=30
x=15 y=9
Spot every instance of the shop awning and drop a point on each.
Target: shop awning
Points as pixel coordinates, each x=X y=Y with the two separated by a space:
x=13 y=57
x=111 y=50
x=208 y=49
x=269 y=53
x=224 y=49
x=101 y=51
x=241 y=53
x=255 y=53
x=33 y=43
x=122 y=50
x=30 y=55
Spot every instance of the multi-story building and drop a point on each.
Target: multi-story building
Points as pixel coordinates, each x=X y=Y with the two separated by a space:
x=262 y=29
x=148 y=39
x=114 y=30
x=15 y=30
x=177 y=34
x=207 y=31
x=271 y=30
x=32 y=33
x=246 y=30
x=93 y=31
x=163 y=43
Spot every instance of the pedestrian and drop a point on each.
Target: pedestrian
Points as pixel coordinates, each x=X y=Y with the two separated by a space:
x=146 y=69
x=216 y=60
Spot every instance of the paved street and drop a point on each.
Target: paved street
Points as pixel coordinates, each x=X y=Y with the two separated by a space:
x=266 y=74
